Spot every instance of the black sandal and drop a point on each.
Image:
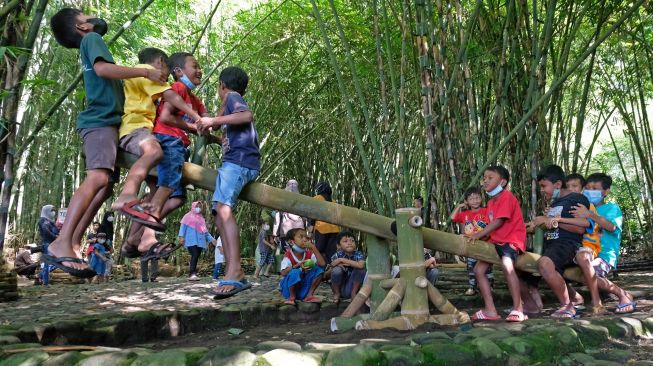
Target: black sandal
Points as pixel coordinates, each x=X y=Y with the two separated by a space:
x=58 y=263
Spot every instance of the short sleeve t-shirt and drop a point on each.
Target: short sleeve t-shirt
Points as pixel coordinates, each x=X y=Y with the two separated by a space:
x=472 y=222
x=219 y=257
x=105 y=98
x=561 y=208
x=141 y=99
x=592 y=236
x=191 y=100
x=611 y=241
x=240 y=142
x=513 y=231
x=291 y=258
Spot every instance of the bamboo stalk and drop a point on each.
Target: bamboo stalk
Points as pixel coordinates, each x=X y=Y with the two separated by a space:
x=344 y=323
x=378 y=267
x=411 y=263
x=398 y=323
x=391 y=301
x=439 y=301
x=358 y=301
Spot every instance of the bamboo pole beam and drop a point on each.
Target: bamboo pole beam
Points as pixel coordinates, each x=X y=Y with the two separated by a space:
x=411 y=263
x=378 y=267
x=358 y=301
x=279 y=199
x=389 y=283
x=398 y=323
x=392 y=299
x=341 y=323
x=439 y=301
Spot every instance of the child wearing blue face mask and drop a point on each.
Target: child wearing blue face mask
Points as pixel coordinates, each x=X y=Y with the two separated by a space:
x=562 y=238
x=302 y=266
x=609 y=218
x=507 y=231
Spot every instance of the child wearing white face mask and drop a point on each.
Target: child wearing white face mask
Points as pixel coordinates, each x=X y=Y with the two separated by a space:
x=194 y=235
x=266 y=248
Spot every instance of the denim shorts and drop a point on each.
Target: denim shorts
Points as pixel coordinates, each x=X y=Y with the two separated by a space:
x=169 y=168
x=230 y=181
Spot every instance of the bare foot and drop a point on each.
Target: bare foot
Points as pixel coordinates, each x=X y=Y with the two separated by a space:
x=59 y=250
x=120 y=202
x=578 y=300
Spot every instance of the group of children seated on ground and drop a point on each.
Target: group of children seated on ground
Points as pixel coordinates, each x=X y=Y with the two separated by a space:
x=146 y=116
x=579 y=228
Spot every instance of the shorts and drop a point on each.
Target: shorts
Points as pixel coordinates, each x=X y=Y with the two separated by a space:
x=585 y=249
x=230 y=181
x=601 y=267
x=505 y=250
x=561 y=253
x=169 y=168
x=100 y=147
x=132 y=142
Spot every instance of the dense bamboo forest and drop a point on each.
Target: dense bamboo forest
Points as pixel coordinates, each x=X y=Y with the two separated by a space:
x=385 y=99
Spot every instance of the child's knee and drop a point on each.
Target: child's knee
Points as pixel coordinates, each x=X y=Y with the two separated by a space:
x=98 y=177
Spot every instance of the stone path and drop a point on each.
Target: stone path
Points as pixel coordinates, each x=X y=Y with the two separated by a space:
x=129 y=313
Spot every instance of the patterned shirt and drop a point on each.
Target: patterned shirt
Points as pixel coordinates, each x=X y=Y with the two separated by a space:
x=356 y=256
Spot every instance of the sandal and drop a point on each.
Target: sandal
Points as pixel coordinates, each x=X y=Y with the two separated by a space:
x=238 y=286
x=564 y=314
x=152 y=253
x=620 y=308
x=58 y=263
x=516 y=316
x=313 y=299
x=137 y=213
x=480 y=315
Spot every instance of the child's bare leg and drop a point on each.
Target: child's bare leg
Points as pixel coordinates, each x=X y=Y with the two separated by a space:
x=584 y=261
x=257 y=272
x=136 y=229
x=151 y=154
x=89 y=215
x=230 y=235
x=268 y=269
x=316 y=282
x=484 y=287
x=547 y=269
x=609 y=286
x=291 y=291
x=96 y=180
x=574 y=296
x=158 y=201
x=508 y=268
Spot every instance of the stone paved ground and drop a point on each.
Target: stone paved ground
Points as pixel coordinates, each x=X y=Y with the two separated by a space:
x=180 y=322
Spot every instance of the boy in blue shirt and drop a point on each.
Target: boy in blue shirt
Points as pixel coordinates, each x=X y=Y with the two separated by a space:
x=97 y=126
x=610 y=219
x=240 y=165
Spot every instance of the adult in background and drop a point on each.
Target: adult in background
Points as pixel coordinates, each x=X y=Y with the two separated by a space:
x=285 y=221
x=24 y=266
x=194 y=235
x=107 y=226
x=48 y=231
x=325 y=234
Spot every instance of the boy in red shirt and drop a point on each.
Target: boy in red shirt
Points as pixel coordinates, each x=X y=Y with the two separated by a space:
x=507 y=232
x=472 y=220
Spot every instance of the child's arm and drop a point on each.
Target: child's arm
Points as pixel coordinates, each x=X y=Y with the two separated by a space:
x=581 y=211
x=102 y=258
x=488 y=229
x=430 y=263
x=168 y=117
x=108 y=70
x=238 y=118
x=457 y=210
x=170 y=96
x=320 y=260
x=349 y=263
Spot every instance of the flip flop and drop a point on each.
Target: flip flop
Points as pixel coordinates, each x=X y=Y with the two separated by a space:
x=136 y=213
x=238 y=286
x=162 y=253
x=516 y=317
x=564 y=314
x=622 y=306
x=480 y=315
x=314 y=299
x=58 y=263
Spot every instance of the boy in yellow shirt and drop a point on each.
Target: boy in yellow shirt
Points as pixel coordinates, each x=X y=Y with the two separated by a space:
x=135 y=134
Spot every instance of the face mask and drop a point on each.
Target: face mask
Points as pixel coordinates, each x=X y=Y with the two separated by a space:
x=99 y=26
x=298 y=249
x=101 y=241
x=556 y=193
x=594 y=196
x=186 y=81
x=266 y=227
x=110 y=218
x=197 y=210
x=495 y=191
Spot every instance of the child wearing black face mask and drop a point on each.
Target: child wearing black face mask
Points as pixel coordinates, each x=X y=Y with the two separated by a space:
x=97 y=126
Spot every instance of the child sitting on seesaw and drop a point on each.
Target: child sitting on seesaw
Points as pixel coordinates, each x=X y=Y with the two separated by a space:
x=348 y=270
x=302 y=267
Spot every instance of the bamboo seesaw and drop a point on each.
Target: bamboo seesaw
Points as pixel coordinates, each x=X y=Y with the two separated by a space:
x=378 y=230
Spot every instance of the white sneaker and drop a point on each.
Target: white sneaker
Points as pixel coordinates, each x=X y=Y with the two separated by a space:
x=193 y=277
x=470 y=291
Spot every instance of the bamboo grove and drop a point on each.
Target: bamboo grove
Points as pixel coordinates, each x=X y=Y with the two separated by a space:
x=385 y=99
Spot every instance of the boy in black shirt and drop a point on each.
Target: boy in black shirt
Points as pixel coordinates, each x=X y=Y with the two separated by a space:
x=563 y=235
